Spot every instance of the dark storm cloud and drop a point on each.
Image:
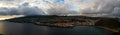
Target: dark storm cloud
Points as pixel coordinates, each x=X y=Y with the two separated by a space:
x=21 y=11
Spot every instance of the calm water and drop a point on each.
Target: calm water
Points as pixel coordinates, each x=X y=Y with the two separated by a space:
x=9 y=28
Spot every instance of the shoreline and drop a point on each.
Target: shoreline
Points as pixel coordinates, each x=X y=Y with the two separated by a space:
x=109 y=29
x=72 y=25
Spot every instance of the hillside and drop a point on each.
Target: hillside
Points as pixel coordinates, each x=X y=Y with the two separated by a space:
x=70 y=21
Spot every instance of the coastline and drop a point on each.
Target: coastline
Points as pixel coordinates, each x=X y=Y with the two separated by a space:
x=109 y=29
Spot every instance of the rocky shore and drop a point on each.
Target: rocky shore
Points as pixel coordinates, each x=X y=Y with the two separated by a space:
x=64 y=25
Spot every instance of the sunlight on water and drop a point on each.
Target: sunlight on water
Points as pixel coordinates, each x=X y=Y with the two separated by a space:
x=1 y=28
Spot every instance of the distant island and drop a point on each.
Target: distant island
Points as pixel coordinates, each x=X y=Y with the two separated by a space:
x=70 y=21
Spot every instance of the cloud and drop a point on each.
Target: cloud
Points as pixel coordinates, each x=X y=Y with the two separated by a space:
x=21 y=11
x=60 y=7
x=107 y=7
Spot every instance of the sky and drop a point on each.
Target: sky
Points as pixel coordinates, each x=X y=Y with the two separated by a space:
x=59 y=7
